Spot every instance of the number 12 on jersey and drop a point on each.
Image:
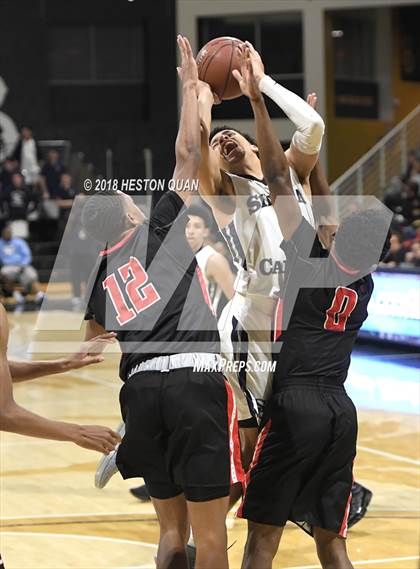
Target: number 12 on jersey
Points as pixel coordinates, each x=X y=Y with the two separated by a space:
x=138 y=295
x=343 y=304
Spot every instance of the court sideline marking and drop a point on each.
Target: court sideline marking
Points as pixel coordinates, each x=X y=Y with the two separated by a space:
x=152 y=546
x=74 y=515
x=81 y=537
x=364 y=562
x=389 y=455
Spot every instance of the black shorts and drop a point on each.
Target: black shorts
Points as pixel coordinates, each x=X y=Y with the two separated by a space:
x=181 y=434
x=302 y=468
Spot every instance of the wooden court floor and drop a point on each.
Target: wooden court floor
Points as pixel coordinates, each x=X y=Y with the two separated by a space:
x=52 y=517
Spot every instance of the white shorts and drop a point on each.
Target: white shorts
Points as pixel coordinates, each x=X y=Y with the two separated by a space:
x=245 y=328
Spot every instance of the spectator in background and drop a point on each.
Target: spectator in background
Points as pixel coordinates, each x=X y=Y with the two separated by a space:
x=16 y=258
x=51 y=174
x=66 y=192
x=396 y=254
x=28 y=155
x=64 y=199
x=415 y=171
x=411 y=158
x=412 y=258
x=9 y=168
x=17 y=201
x=411 y=201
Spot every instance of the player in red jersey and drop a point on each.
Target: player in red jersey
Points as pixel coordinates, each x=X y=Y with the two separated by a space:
x=180 y=424
x=302 y=466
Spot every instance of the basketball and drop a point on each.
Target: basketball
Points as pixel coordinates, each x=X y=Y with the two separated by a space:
x=216 y=61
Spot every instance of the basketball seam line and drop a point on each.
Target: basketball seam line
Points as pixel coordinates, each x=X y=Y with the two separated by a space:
x=210 y=59
x=230 y=69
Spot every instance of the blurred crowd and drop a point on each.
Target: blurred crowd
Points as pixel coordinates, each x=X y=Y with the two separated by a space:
x=33 y=186
x=403 y=198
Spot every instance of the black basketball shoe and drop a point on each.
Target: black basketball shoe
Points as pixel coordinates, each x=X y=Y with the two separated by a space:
x=141 y=492
x=360 y=500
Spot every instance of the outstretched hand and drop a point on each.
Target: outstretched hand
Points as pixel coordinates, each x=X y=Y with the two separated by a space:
x=90 y=352
x=257 y=64
x=188 y=71
x=95 y=437
x=246 y=78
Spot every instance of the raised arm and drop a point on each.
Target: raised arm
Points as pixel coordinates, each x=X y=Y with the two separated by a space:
x=273 y=160
x=17 y=419
x=306 y=142
x=187 y=146
x=219 y=271
x=322 y=202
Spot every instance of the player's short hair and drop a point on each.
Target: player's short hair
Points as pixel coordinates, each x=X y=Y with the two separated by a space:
x=202 y=213
x=218 y=129
x=363 y=238
x=103 y=216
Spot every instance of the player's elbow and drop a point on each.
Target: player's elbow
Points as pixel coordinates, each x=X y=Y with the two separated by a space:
x=7 y=417
x=317 y=127
x=315 y=130
x=309 y=140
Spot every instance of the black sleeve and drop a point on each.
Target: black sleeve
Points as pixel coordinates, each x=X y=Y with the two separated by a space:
x=90 y=311
x=302 y=242
x=91 y=286
x=167 y=210
x=309 y=264
x=89 y=315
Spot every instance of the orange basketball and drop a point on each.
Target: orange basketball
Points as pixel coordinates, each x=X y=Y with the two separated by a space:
x=216 y=61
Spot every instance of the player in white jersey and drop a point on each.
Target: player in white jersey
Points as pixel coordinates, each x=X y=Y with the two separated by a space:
x=214 y=267
x=231 y=181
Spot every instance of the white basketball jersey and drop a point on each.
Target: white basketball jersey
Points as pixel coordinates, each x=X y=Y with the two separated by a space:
x=214 y=290
x=254 y=235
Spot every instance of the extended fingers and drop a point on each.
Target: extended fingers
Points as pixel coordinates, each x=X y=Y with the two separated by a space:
x=237 y=75
x=181 y=44
x=89 y=360
x=188 y=49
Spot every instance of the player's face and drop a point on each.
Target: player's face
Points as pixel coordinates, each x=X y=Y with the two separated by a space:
x=231 y=147
x=196 y=232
